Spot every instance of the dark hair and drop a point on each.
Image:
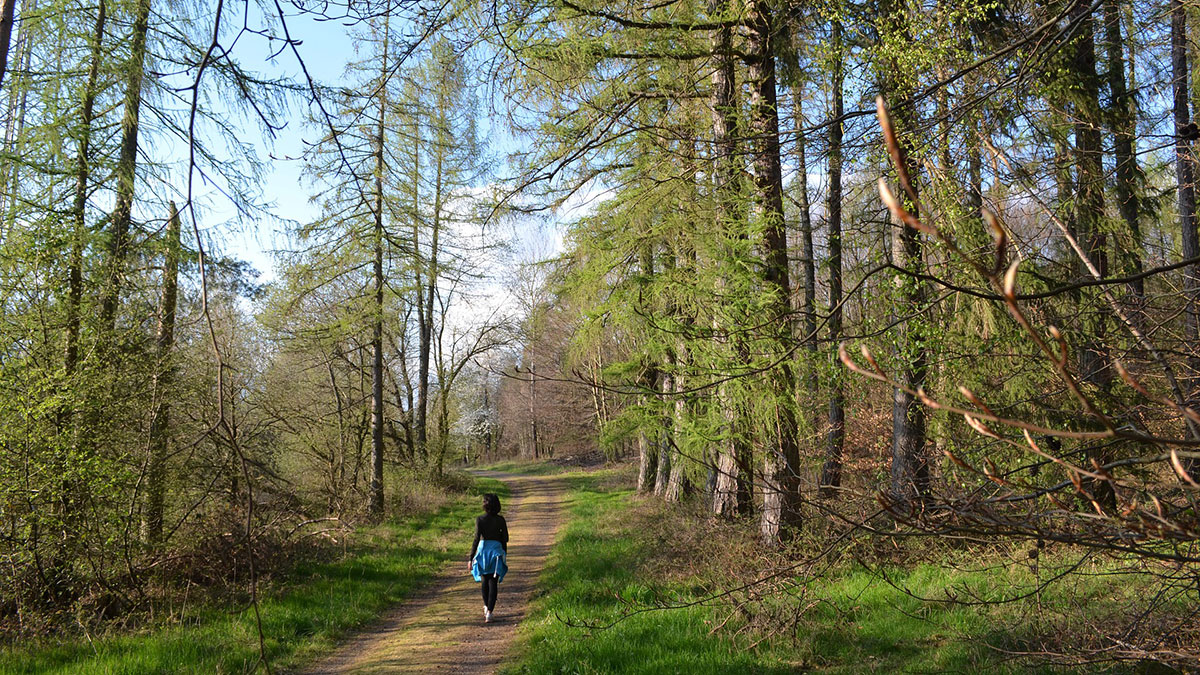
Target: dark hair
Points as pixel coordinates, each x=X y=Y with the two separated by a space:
x=491 y=504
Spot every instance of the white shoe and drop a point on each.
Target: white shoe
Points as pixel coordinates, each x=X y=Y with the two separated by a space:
x=487 y=616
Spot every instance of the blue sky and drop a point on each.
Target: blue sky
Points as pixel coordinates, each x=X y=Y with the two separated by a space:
x=327 y=46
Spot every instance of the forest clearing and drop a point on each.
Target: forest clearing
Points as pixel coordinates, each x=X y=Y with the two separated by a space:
x=757 y=336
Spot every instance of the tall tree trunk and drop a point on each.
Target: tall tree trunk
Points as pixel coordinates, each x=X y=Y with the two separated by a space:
x=431 y=277
x=831 y=472
x=1185 y=169
x=781 y=461
x=79 y=205
x=807 y=385
x=160 y=420
x=424 y=327
x=126 y=171
x=1122 y=124
x=377 y=372
x=910 y=464
x=808 y=264
x=533 y=421
x=1185 y=173
x=1093 y=355
x=405 y=398
x=337 y=455
x=732 y=493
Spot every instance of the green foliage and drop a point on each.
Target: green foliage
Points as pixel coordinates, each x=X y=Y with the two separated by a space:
x=608 y=574
x=305 y=613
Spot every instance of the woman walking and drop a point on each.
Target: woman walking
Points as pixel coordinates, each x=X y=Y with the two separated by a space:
x=489 y=552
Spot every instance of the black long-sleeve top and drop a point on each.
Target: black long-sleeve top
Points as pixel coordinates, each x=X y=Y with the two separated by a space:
x=492 y=527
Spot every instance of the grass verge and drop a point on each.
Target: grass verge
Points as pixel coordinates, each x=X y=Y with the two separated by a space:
x=529 y=467
x=619 y=554
x=303 y=617
x=591 y=576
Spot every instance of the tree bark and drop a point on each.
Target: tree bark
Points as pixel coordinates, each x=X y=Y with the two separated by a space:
x=665 y=441
x=377 y=372
x=126 y=171
x=831 y=472
x=533 y=422
x=431 y=277
x=677 y=484
x=732 y=492
x=910 y=465
x=1093 y=356
x=79 y=205
x=424 y=327
x=160 y=420
x=1122 y=124
x=1185 y=169
x=1185 y=172
x=808 y=266
x=647 y=444
x=781 y=484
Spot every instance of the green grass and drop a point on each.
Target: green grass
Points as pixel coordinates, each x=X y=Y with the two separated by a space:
x=529 y=467
x=594 y=562
x=318 y=605
x=598 y=572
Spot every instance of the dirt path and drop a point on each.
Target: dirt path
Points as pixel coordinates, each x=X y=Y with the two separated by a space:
x=441 y=629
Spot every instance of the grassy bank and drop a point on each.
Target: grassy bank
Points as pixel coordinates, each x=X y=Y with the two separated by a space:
x=594 y=571
x=619 y=555
x=303 y=615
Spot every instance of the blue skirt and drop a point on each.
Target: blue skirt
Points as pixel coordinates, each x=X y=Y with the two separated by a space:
x=490 y=558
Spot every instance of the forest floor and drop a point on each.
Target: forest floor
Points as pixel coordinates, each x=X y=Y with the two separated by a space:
x=441 y=629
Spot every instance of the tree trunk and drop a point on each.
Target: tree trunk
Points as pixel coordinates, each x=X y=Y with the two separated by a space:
x=665 y=441
x=424 y=325
x=808 y=266
x=377 y=372
x=781 y=484
x=831 y=472
x=647 y=444
x=807 y=385
x=647 y=462
x=126 y=171
x=732 y=491
x=1093 y=355
x=1122 y=124
x=1185 y=169
x=910 y=465
x=672 y=390
x=160 y=420
x=677 y=484
x=533 y=422
x=431 y=277
x=79 y=206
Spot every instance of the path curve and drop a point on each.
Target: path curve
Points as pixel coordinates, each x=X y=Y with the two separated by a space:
x=441 y=629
